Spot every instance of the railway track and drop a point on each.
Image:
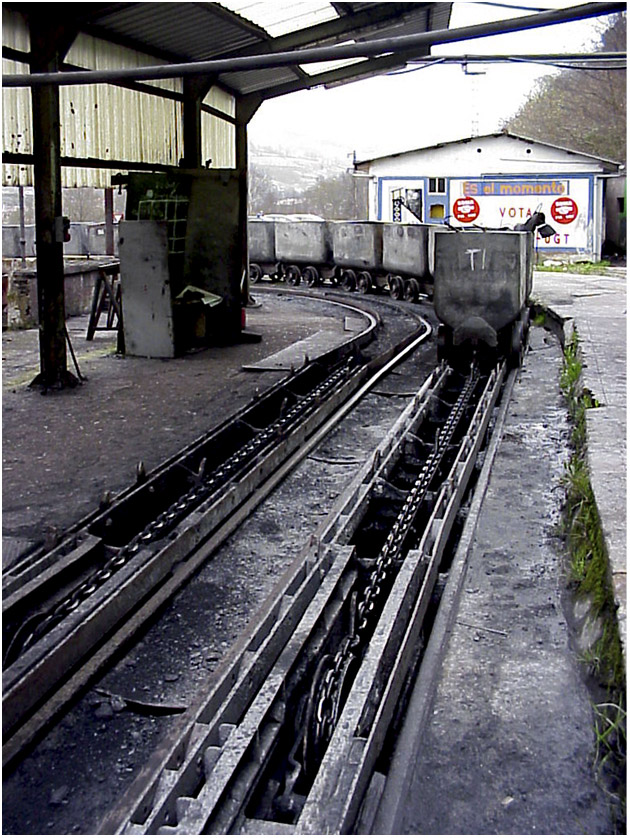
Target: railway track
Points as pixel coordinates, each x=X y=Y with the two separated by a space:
x=66 y=612
x=287 y=737
x=286 y=733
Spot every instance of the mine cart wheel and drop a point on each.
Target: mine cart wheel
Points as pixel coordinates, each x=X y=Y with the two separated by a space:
x=293 y=275
x=444 y=343
x=349 y=280
x=364 y=282
x=310 y=276
x=396 y=287
x=518 y=340
x=412 y=290
x=255 y=272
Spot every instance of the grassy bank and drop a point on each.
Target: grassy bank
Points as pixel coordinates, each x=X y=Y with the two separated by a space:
x=590 y=579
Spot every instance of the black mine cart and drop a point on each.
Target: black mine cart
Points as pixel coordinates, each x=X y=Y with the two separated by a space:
x=182 y=261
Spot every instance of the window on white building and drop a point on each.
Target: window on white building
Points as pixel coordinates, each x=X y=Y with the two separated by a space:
x=437 y=185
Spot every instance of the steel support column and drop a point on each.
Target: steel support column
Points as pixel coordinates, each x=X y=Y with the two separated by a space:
x=109 y=220
x=246 y=107
x=49 y=42
x=195 y=88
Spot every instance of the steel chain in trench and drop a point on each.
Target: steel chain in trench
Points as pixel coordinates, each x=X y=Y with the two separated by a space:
x=40 y=624
x=328 y=706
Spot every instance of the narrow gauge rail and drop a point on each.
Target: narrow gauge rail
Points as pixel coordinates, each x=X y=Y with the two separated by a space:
x=287 y=739
x=128 y=559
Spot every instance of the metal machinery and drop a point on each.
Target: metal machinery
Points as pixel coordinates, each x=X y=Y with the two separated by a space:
x=181 y=261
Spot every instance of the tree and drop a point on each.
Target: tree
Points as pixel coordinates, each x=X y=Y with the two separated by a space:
x=337 y=197
x=264 y=193
x=584 y=110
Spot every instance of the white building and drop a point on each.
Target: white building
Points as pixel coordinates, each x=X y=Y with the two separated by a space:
x=497 y=180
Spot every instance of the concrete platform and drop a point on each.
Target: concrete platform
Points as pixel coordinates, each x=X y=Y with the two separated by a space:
x=499 y=735
x=596 y=307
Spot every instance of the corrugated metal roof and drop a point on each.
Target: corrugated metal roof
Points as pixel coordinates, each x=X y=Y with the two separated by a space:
x=325 y=66
x=115 y=123
x=258 y=82
x=282 y=16
x=179 y=31
x=197 y=31
x=182 y=32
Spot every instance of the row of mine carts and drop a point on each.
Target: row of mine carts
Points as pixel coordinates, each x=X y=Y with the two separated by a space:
x=479 y=280
x=364 y=256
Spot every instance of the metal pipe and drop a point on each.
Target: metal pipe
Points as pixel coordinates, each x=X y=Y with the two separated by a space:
x=594 y=57
x=109 y=220
x=22 y=226
x=368 y=49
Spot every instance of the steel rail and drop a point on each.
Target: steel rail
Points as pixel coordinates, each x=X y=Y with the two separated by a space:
x=385 y=796
x=39 y=685
x=367 y=49
x=151 y=798
x=38 y=563
x=201 y=781
x=333 y=803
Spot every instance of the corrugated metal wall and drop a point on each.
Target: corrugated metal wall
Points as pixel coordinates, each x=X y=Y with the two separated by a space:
x=218 y=138
x=106 y=121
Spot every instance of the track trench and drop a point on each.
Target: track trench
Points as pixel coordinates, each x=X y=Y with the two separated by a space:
x=75 y=603
x=289 y=727
x=288 y=737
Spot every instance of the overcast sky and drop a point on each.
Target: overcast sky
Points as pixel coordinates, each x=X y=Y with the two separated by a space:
x=429 y=105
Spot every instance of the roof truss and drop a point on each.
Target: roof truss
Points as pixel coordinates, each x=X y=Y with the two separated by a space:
x=147 y=28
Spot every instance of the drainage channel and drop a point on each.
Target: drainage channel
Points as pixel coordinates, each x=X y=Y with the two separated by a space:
x=287 y=738
x=111 y=576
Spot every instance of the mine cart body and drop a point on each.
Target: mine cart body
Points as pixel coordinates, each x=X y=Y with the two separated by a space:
x=482 y=282
x=358 y=244
x=304 y=242
x=405 y=249
x=261 y=240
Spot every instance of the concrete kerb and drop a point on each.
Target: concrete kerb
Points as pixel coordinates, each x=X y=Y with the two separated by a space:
x=610 y=503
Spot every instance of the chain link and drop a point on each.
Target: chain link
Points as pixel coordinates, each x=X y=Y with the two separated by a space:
x=40 y=624
x=331 y=681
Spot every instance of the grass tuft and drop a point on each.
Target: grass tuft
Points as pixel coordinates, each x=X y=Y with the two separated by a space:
x=589 y=575
x=576 y=267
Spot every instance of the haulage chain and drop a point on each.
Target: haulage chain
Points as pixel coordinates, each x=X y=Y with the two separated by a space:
x=335 y=672
x=38 y=624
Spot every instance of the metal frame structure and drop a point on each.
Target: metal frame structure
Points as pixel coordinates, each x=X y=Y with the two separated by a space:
x=205 y=44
